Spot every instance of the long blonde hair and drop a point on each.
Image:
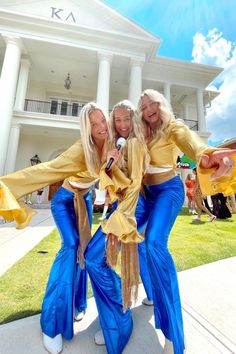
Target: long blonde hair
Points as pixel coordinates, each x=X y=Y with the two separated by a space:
x=135 y=132
x=166 y=114
x=90 y=151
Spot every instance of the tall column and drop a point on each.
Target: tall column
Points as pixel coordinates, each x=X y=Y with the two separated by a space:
x=12 y=149
x=22 y=84
x=200 y=111
x=167 y=92
x=135 y=80
x=8 y=83
x=103 y=86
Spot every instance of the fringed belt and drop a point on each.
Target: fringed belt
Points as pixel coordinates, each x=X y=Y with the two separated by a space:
x=150 y=179
x=82 y=219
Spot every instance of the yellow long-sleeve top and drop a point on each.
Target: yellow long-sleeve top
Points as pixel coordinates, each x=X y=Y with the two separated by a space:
x=15 y=185
x=122 y=222
x=164 y=151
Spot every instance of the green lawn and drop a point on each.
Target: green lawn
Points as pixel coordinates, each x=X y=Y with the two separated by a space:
x=191 y=243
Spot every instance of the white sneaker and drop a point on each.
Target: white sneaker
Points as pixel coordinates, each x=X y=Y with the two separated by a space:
x=78 y=316
x=99 y=338
x=196 y=219
x=168 y=348
x=102 y=218
x=147 y=302
x=53 y=345
x=194 y=212
x=211 y=218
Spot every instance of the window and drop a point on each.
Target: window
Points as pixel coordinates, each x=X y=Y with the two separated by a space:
x=75 y=107
x=53 y=109
x=64 y=106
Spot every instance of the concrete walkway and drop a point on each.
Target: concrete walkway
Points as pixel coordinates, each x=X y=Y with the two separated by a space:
x=208 y=298
x=14 y=244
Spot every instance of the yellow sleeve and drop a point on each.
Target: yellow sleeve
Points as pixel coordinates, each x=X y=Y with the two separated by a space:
x=187 y=140
x=193 y=146
x=28 y=180
x=115 y=181
x=122 y=222
x=225 y=185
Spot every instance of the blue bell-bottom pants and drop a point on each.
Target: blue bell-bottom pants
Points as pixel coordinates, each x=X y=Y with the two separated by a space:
x=67 y=284
x=158 y=213
x=116 y=325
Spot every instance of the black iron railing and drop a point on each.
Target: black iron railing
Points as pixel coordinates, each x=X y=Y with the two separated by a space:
x=192 y=124
x=54 y=107
x=73 y=109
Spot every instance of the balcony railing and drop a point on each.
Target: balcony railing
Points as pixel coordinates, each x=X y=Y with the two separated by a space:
x=192 y=124
x=73 y=109
x=54 y=107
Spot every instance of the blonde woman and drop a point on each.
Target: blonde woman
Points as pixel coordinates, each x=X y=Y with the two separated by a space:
x=115 y=317
x=165 y=195
x=72 y=203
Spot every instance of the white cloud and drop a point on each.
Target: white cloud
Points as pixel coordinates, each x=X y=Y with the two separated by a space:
x=213 y=49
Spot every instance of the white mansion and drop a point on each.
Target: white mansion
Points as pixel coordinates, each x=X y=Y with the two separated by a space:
x=108 y=58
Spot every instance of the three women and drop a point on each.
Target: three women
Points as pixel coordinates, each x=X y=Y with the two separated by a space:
x=156 y=211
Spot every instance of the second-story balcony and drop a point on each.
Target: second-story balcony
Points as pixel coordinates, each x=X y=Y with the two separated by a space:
x=72 y=109
x=54 y=107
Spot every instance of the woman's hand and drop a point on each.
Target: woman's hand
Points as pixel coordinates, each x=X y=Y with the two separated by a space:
x=221 y=161
x=112 y=239
x=114 y=154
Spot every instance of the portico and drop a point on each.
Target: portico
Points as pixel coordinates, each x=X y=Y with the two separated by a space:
x=109 y=58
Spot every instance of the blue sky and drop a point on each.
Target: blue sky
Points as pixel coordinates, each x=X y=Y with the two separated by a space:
x=202 y=31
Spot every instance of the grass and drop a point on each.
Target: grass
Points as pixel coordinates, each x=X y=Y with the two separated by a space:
x=191 y=244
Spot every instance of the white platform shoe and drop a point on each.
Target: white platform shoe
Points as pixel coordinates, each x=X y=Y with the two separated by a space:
x=78 y=316
x=147 y=302
x=53 y=345
x=99 y=338
x=168 y=348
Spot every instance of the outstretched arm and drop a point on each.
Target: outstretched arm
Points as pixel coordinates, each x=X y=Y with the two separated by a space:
x=221 y=161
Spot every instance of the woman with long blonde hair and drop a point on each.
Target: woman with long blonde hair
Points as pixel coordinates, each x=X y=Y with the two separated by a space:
x=120 y=227
x=71 y=206
x=164 y=191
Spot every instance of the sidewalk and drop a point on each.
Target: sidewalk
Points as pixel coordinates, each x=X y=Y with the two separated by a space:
x=14 y=244
x=209 y=308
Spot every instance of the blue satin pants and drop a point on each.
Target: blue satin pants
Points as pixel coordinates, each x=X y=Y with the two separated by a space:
x=116 y=325
x=157 y=212
x=67 y=284
x=164 y=202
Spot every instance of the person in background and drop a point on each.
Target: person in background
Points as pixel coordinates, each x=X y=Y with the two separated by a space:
x=39 y=196
x=220 y=206
x=199 y=201
x=232 y=203
x=190 y=183
x=105 y=208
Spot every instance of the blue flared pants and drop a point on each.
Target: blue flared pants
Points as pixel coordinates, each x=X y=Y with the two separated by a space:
x=116 y=325
x=67 y=284
x=157 y=212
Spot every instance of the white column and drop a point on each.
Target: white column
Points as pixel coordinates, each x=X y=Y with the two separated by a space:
x=167 y=92
x=103 y=86
x=135 y=80
x=22 y=84
x=200 y=111
x=8 y=83
x=12 y=149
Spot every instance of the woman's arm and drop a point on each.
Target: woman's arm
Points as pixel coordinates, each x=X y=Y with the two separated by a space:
x=17 y=184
